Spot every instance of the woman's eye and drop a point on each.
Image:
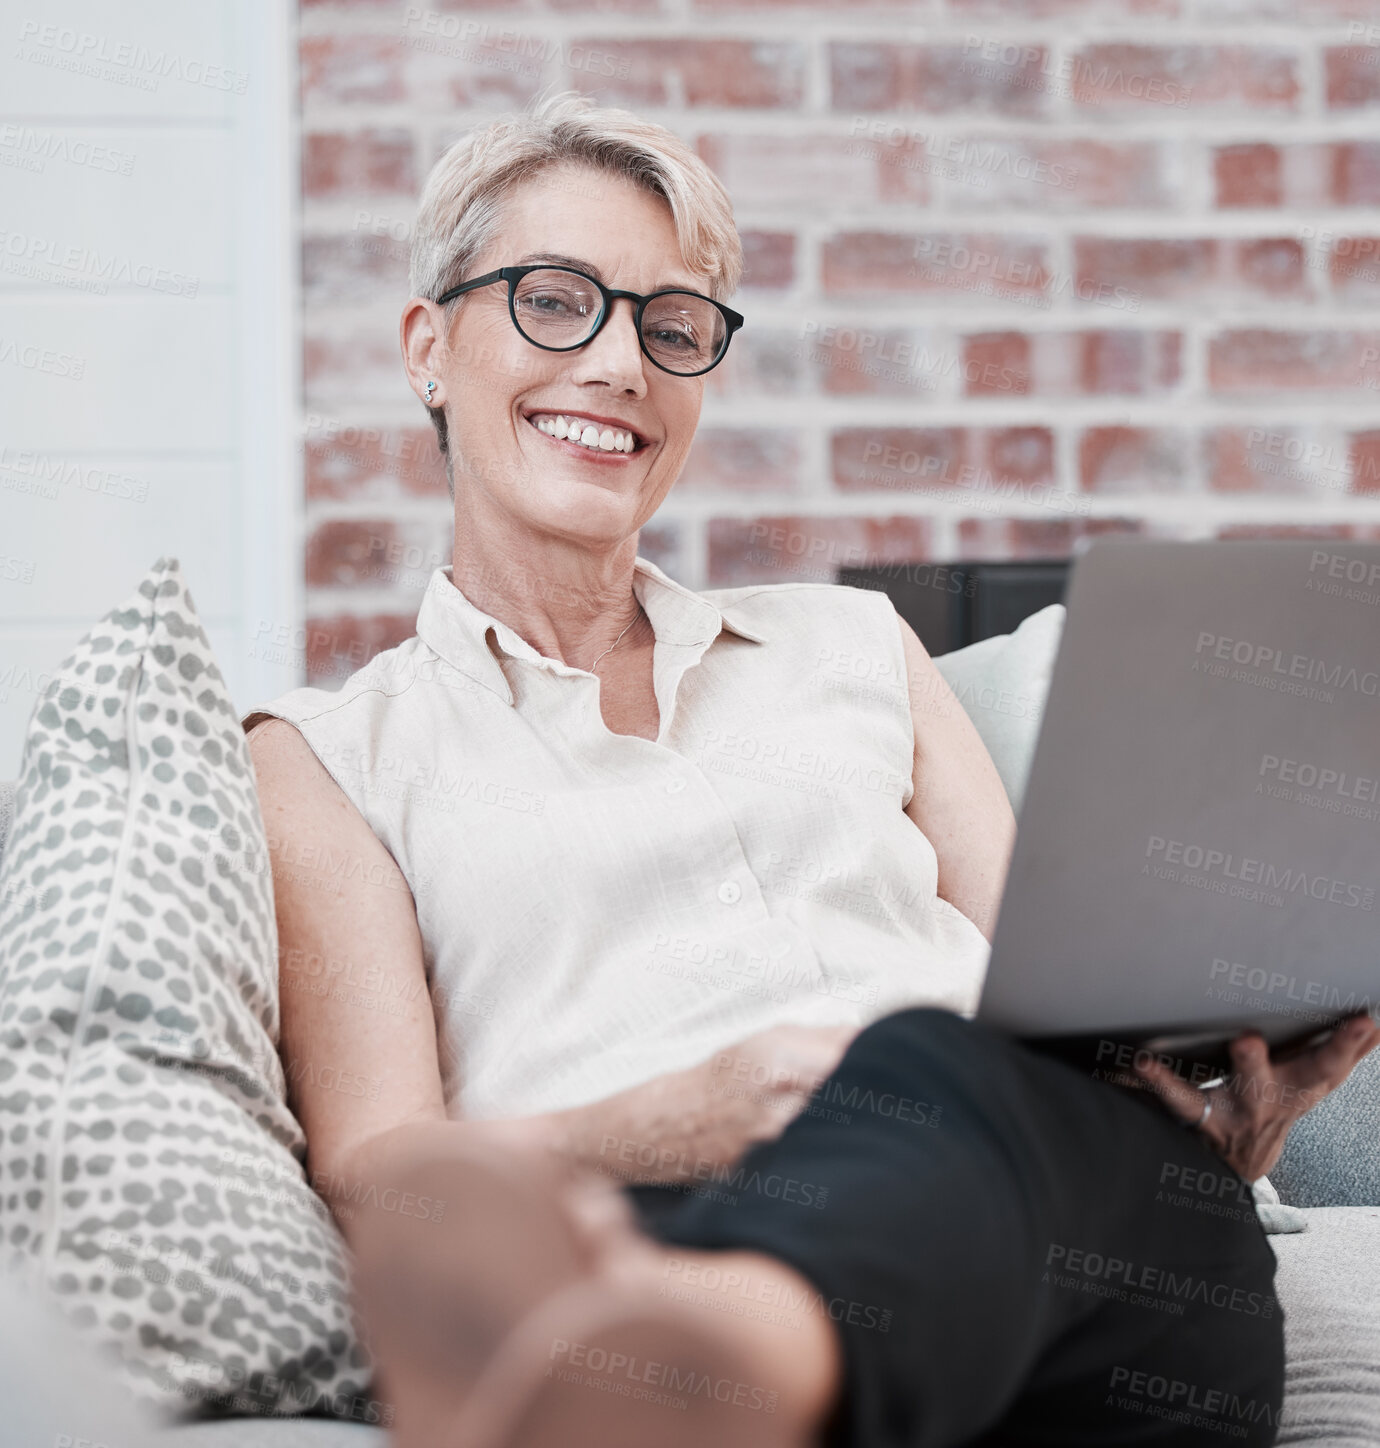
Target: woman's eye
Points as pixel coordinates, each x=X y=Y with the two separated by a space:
x=675 y=337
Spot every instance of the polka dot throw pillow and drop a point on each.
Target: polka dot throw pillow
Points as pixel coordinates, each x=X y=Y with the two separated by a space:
x=151 y=1175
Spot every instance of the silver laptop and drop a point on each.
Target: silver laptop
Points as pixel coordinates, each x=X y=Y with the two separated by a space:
x=1199 y=844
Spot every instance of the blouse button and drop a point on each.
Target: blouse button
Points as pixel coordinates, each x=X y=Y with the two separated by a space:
x=675 y=786
x=730 y=892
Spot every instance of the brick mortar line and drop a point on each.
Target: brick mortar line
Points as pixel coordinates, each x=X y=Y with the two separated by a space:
x=1007 y=226
x=1263 y=124
x=886 y=27
x=1300 y=314
x=705 y=505
x=1066 y=459
x=1161 y=411
x=1112 y=223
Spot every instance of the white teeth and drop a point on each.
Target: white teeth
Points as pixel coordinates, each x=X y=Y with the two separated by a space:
x=573 y=429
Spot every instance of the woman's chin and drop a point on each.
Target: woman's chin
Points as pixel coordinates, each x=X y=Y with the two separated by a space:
x=588 y=523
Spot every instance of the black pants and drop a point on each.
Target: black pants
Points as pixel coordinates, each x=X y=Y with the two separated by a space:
x=1014 y=1254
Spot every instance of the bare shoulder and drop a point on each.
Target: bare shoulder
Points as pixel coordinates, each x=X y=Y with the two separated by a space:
x=932 y=702
x=285 y=762
x=916 y=652
x=296 y=792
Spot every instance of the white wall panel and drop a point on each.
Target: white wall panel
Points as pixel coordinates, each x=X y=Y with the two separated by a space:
x=148 y=327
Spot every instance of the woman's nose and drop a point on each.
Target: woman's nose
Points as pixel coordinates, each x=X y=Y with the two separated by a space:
x=614 y=354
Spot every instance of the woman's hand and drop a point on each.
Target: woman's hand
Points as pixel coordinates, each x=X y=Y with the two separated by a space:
x=756 y=1088
x=684 y=1125
x=1253 y=1109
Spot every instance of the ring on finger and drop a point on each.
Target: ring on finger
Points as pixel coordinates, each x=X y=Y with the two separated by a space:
x=1207 y=1111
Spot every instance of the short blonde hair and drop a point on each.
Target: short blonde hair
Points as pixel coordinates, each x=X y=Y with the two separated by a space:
x=462 y=202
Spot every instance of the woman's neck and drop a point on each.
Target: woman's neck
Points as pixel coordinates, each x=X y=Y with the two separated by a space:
x=570 y=606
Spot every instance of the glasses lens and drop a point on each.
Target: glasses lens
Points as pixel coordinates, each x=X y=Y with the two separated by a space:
x=684 y=332
x=555 y=308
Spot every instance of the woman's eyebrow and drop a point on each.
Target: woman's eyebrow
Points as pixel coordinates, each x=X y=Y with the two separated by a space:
x=551 y=258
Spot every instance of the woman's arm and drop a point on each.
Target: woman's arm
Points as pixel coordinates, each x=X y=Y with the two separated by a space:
x=352 y=984
x=959 y=802
x=356 y=1010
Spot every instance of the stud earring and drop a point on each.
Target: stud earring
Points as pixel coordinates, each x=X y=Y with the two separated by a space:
x=430 y=392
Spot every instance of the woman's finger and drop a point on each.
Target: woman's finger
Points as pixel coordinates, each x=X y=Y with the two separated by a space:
x=1250 y=1057
x=1183 y=1100
x=1320 y=1071
x=1336 y=1056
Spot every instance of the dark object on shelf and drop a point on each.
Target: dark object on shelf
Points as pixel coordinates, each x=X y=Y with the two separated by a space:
x=951 y=605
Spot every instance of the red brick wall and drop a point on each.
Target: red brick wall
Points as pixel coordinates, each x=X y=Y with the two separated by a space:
x=1019 y=271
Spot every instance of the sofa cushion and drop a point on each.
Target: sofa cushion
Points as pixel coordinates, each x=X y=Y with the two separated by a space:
x=1332 y=1156
x=1329 y=1285
x=271 y=1433
x=151 y=1170
x=1001 y=683
x=6 y=817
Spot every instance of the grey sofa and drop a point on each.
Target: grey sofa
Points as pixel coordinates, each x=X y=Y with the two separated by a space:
x=1329 y=1273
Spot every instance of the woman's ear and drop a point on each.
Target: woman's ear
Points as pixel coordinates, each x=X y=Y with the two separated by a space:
x=421 y=333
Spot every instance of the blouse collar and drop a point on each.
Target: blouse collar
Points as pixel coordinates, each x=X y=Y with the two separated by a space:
x=458 y=630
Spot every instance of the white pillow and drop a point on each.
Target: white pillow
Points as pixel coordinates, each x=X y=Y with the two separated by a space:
x=1001 y=683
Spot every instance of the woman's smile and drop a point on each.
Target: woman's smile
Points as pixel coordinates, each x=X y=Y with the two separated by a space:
x=592 y=437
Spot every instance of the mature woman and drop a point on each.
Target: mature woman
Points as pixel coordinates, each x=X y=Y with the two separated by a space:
x=614 y=1177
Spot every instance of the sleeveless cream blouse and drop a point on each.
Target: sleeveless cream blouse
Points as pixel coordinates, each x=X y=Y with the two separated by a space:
x=597 y=909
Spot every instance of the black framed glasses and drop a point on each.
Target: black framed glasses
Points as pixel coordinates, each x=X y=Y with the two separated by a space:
x=559 y=309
